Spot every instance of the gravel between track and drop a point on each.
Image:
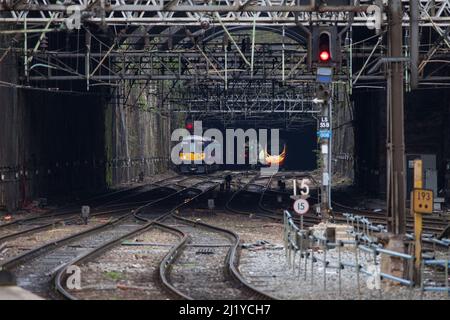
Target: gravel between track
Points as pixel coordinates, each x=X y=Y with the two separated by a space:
x=127 y=272
x=265 y=265
x=25 y=243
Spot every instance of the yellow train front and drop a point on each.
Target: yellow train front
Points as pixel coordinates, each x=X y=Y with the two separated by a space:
x=193 y=157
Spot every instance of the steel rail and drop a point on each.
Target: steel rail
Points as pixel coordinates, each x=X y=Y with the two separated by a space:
x=167 y=262
x=430 y=226
x=231 y=261
x=89 y=256
x=108 y=194
x=58 y=243
x=14 y=261
x=104 y=205
x=240 y=189
x=149 y=224
x=49 y=225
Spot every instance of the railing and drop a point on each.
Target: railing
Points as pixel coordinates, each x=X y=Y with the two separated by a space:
x=302 y=243
x=440 y=268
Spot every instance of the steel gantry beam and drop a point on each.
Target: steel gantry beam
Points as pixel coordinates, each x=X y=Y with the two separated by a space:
x=207 y=59
x=432 y=13
x=146 y=15
x=261 y=102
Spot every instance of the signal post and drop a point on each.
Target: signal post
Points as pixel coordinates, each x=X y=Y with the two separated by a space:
x=324 y=133
x=325 y=57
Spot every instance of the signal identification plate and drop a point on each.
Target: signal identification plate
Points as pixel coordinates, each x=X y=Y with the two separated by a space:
x=423 y=201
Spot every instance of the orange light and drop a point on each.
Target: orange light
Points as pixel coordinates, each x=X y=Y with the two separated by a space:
x=324 y=56
x=192 y=156
x=276 y=159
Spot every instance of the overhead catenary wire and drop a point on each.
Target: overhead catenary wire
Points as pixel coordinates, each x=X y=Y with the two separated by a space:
x=25 y=87
x=367 y=60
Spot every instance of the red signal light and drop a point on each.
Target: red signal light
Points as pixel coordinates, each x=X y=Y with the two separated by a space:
x=189 y=126
x=324 y=47
x=324 y=56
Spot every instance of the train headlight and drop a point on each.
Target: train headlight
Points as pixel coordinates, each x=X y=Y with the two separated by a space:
x=192 y=156
x=185 y=156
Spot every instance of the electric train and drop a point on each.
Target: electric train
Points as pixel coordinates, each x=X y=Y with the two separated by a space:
x=193 y=157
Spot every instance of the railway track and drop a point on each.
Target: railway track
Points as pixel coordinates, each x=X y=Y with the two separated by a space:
x=28 y=226
x=147 y=215
x=205 y=265
x=432 y=225
x=155 y=288
x=257 y=191
x=105 y=199
x=241 y=187
x=109 y=204
x=141 y=284
x=31 y=225
x=34 y=267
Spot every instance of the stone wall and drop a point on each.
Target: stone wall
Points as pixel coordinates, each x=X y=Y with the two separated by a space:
x=9 y=115
x=57 y=144
x=343 y=143
x=51 y=143
x=137 y=135
x=427 y=114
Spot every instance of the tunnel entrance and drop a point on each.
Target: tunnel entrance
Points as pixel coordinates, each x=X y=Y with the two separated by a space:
x=302 y=149
x=73 y=138
x=299 y=144
x=52 y=144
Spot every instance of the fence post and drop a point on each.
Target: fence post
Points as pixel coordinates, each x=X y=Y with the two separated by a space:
x=446 y=278
x=325 y=266
x=293 y=259
x=357 y=267
x=312 y=266
x=339 y=267
x=289 y=249
x=411 y=276
x=422 y=267
x=306 y=262
x=300 y=256
x=380 y=291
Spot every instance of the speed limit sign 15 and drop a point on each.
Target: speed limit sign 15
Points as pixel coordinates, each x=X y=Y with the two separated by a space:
x=301 y=206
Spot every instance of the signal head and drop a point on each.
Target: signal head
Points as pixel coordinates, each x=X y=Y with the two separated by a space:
x=324 y=56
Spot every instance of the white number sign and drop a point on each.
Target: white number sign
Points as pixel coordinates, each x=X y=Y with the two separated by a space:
x=301 y=206
x=304 y=187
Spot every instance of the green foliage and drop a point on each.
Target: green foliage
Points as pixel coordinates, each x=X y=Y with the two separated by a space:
x=114 y=275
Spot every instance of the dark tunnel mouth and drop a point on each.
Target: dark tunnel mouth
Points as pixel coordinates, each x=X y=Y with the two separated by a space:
x=300 y=146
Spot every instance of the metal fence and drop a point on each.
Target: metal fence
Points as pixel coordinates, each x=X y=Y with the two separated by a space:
x=304 y=245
